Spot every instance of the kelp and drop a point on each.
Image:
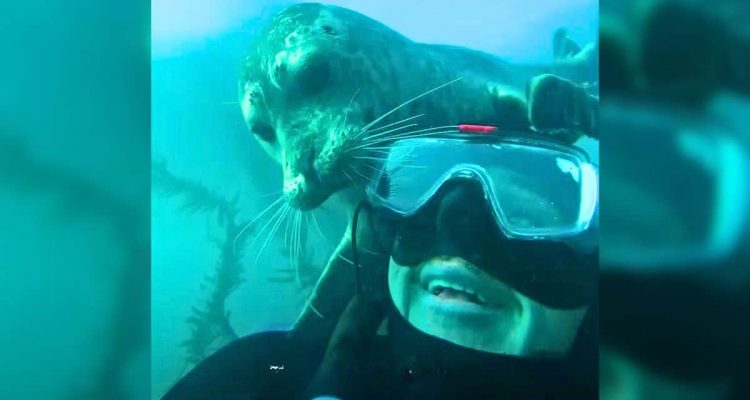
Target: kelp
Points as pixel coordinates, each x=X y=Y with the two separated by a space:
x=210 y=326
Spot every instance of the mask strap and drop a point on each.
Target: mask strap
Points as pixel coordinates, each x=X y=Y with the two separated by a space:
x=355 y=254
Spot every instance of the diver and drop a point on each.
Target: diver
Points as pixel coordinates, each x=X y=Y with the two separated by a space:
x=489 y=289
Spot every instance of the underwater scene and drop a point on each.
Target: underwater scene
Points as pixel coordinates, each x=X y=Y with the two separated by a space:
x=374 y=199
x=457 y=286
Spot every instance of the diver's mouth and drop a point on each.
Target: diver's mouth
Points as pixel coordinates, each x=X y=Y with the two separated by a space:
x=453 y=292
x=456 y=281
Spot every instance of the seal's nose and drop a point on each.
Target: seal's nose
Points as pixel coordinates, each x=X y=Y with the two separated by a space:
x=294 y=189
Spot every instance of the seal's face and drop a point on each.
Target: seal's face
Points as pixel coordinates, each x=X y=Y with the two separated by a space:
x=298 y=98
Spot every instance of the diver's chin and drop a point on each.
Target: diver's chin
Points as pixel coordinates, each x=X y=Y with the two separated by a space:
x=452 y=299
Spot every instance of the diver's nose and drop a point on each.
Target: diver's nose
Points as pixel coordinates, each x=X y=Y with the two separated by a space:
x=464 y=220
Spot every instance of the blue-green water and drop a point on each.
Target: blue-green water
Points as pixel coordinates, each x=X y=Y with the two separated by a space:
x=199 y=134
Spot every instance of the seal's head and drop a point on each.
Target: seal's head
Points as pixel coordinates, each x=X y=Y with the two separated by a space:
x=309 y=86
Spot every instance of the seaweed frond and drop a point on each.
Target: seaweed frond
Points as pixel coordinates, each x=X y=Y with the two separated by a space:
x=209 y=322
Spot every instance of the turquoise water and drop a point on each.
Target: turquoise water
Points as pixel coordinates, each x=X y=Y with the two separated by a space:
x=207 y=157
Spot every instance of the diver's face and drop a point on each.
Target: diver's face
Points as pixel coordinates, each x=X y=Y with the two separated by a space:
x=454 y=276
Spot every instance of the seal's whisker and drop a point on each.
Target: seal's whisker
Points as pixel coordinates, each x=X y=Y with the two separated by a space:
x=388 y=132
x=320 y=231
x=379 y=150
x=404 y=104
x=382 y=149
x=271 y=193
x=405 y=136
x=419 y=133
x=400 y=135
x=349 y=176
x=297 y=236
x=366 y=250
x=287 y=237
x=249 y=224
x=418 y=136
x=379 y=129
x=270 y=222
x=298 y=248
x=402 y=163
x=292 y=249
x=306 y=223
x=348 y=107
x=375 y=170
x=275 y=227
x=413 y=166
x=312 y=307
x=394 y=123
x=341 y=256
x=369 y=158
x=358 y=172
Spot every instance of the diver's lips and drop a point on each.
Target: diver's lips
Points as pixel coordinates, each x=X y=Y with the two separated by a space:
x=457 y=281
x=451 y=292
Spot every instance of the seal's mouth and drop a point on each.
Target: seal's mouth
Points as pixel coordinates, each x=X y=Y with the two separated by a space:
x=308 y=191
x=306 y=199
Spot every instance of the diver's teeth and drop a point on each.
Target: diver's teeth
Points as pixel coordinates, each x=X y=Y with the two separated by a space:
x=436 y=287
x=437 y=283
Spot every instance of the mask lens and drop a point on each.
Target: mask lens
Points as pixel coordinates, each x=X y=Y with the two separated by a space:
x=411 y=173
x=533 y=190
x=538 y=191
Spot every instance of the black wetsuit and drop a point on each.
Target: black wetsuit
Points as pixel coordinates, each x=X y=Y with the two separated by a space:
x=405 y=364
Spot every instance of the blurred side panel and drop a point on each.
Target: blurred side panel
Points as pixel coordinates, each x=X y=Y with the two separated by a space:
x=74 y=199
x=675 y=284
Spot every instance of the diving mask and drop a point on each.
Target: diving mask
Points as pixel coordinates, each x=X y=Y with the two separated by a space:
x=536 y=189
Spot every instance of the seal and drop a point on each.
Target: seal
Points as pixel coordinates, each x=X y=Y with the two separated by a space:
x=324 y=90
x=320 y=74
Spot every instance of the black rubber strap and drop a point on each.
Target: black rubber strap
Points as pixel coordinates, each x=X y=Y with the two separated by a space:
x=355 y=255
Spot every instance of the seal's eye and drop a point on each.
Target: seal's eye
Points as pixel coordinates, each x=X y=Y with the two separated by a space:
x=328 y=30
x=314 y=75
x=263 y=131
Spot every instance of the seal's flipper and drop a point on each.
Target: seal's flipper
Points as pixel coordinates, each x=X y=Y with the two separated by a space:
x=573 y=61
x=335 y=287
x=509 y=108
x=564 y=47
x=561 y=108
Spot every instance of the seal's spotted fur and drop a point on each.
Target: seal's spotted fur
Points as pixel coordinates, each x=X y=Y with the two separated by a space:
x=301 y=80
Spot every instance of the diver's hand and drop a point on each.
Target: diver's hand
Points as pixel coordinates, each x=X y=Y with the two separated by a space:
x=343 y=372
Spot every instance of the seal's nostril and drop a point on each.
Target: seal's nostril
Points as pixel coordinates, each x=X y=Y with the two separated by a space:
x=295 y=186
